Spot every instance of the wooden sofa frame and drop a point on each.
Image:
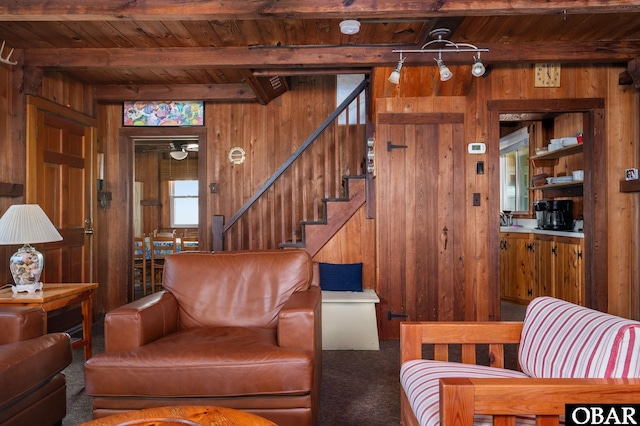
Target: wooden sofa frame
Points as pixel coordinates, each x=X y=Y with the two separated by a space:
x=461 y=398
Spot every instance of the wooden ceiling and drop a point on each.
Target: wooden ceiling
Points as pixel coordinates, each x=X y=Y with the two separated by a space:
x=244 y=50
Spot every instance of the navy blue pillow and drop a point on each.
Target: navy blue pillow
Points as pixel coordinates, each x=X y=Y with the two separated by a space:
x=341 y=277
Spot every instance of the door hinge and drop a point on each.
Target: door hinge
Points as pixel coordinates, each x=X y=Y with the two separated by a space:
x=554 y=250
x=579 y=254
x=391 y=146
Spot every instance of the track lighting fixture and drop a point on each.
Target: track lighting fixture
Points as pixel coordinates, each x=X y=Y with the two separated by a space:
x=395 y=74
x=447 y=46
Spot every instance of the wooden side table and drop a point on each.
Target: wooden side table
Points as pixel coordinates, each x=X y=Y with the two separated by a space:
x=56 y=296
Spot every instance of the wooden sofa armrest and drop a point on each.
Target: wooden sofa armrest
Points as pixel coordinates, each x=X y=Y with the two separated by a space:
x=466 y=333
x=143 y=321
x=461 y=398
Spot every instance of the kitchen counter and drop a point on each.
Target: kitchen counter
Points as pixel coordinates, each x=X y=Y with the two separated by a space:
x=524 y=229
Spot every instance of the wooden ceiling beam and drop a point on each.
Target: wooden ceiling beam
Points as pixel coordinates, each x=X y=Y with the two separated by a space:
x=321 y=57
x=118 y=10
x=183 y=92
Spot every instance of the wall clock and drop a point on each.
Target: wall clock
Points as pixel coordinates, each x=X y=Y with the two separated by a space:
x=547 y=75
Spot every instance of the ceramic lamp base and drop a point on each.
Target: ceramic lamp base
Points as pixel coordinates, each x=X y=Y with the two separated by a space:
x=29 y=288
x=26 y=266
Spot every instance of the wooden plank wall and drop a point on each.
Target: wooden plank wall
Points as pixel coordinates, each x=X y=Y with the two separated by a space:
x=268 y=134
x=290 y=118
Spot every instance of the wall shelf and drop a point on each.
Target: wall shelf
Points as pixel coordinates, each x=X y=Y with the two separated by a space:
x=11 y=189
x=562 y=152
x=568 y=189
x=630 y=185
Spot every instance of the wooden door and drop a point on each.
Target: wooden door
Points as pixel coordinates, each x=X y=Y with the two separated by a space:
x=60 y=175
x=418 y=217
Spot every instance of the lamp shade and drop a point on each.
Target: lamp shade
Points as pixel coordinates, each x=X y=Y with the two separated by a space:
x=27 y=224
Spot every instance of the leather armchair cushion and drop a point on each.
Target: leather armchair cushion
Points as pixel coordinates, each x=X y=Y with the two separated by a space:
x=247 y=288
x=204 y=362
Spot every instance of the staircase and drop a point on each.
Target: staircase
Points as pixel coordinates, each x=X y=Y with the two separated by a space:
x=285 y=210
x=337 y=212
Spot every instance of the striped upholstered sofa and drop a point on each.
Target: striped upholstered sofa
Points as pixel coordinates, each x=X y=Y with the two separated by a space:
x=567 y=354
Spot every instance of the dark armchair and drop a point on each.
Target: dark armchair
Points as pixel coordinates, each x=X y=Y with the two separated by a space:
x=32 y=387
x=232 y=329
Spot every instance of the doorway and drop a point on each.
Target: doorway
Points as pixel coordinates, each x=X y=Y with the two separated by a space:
x=595 y=216
x=158 y=143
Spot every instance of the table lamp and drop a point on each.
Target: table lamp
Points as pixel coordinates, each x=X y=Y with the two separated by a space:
x=26 y=224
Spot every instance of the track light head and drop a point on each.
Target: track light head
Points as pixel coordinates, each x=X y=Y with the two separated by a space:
x=478 y=68
x=394 y=77
x=445 y=72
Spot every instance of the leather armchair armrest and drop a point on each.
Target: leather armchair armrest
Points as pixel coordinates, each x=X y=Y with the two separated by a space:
x=29 y=364
x=299 y=321
x=140 y=322
x=21 y=323
x=461 y=398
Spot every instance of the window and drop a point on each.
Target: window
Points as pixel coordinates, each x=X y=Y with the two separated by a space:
x=514 y=171
x=184 y=203
x=345 y=85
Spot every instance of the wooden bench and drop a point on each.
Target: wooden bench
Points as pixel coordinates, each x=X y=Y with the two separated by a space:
x=463 y=399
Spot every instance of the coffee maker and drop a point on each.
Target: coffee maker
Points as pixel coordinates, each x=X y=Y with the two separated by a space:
x=554 y=214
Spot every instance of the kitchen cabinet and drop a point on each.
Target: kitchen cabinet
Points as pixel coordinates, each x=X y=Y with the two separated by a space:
x=515 y=267
x=533 y=265
x=569 y=269
x=559 y=267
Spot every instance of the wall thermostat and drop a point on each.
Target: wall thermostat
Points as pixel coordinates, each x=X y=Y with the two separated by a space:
x=477 y=148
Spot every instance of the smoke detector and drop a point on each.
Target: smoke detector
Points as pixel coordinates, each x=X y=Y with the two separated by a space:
x=349 y=26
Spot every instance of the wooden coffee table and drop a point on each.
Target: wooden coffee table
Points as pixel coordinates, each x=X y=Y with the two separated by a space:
x=183 y=415
x=56 y=296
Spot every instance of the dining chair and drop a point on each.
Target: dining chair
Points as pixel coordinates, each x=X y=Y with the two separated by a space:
x=140 y=263
x=189 y=241
x=160 y=246
x=164 y=233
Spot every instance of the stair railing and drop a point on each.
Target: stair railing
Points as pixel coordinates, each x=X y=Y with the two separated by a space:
x=221 y=229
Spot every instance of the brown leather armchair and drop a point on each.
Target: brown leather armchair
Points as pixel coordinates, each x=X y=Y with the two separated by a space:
x=32 y=387
x=231 y=329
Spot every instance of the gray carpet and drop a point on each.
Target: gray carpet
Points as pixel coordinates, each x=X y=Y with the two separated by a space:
x=358 y=387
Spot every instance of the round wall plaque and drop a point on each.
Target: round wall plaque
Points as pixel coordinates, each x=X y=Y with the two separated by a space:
x=237 y=155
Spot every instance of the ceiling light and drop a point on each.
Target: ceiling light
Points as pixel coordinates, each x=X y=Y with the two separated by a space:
x=478 y=68
x=445 y=72
x=394 y=77
x=178 y=155
x=441 y=45
x=349 y=26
